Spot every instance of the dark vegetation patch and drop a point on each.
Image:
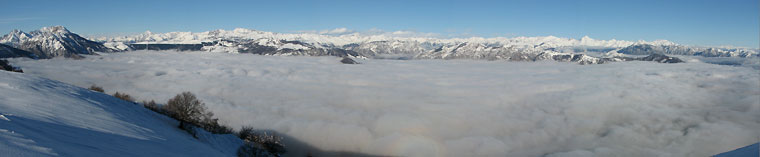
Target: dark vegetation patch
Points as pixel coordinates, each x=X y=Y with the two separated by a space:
x=192 y=113
x=8 y=67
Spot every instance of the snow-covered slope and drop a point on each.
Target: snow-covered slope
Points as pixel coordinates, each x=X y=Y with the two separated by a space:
x=42 y=117
x=752 y=150
x=50 y=42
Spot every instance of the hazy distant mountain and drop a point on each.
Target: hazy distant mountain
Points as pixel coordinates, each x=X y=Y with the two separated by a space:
x=50 y=42
x=648 y=49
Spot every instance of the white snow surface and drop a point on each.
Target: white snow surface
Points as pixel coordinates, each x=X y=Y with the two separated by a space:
x=42 y=117
x=117 y=46
x=293 y=46
x=428 y=107
x=747 y=151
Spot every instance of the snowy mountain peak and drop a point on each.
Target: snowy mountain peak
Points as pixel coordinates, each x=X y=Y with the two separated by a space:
x=55 y=41
x=399 y=44
x=586 y=38
x=55 y=29
x=243 y=30
x=660 y=42
x=16 y=31
x=14 y=37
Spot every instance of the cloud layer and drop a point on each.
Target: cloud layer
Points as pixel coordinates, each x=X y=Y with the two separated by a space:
x=375 y=31
x=336 y=31
x=450 y=108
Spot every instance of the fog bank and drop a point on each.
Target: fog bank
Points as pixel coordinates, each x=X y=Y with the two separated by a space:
x=449 y=108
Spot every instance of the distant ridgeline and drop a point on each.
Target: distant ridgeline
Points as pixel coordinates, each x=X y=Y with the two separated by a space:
x=48 y=42
x=249 y=46
x=648 y=49
x=57 y=41
x=159 y=47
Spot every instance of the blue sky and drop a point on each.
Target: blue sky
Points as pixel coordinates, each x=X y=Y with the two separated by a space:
x=692 y=22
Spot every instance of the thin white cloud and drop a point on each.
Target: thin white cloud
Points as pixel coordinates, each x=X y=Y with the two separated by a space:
x=372 y=31
x=336 y=31
x=399 y=33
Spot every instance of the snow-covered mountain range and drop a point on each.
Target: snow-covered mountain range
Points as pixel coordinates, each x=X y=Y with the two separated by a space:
x=58 y=41
x=588 y=50
x=50 y=42
x=647 y=49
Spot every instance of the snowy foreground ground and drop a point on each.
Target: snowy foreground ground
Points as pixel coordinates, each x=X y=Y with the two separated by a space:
x=436 y=107
x=42 y=117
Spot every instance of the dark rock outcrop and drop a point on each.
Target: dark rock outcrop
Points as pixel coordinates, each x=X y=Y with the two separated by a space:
x=660 y=58
x=8 y=67
x=653 y=57
x=347 y=60
x=159 y=47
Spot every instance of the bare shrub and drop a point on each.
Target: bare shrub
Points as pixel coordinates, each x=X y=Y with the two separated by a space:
x=212 y=125
x=5 y=65
x=152 y=106
x=124 y=96
x=269 y=141
x=186 y=107
x=191 y=113
x=96 y=88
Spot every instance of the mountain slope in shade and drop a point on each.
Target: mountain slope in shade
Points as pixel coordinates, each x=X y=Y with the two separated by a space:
x=11 y=52
x=42 y=117
x=50 y=42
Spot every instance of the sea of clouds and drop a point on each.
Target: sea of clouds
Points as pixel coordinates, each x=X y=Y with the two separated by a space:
x=449 y=108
